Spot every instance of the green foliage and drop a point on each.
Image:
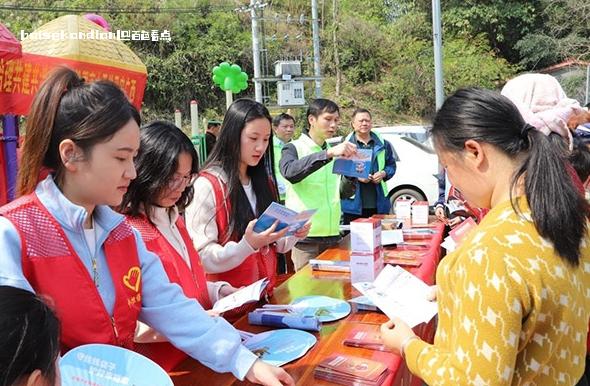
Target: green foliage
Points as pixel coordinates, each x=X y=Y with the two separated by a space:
x=392 y=72
x=384 y=47
x=538 y=51
x=502 y=22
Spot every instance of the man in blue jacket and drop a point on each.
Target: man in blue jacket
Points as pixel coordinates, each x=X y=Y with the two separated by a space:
x=367 y=197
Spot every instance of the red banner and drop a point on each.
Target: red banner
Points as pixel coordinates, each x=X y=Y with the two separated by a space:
x=21 y=78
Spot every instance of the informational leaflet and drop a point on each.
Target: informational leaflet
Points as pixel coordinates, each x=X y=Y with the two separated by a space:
x=400 y=294
x=358 y=165
x=286 y=217
x=245 y=295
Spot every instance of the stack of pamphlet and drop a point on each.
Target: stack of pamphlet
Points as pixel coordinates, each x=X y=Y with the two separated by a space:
x=366 y=336
x=351 y=371
x=329 y=265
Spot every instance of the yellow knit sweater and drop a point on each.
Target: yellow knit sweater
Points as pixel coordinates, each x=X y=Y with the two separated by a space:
x=511 y=312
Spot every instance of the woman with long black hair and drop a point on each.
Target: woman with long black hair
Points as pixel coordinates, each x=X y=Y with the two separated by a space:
x=234 y=187
x=514 y=298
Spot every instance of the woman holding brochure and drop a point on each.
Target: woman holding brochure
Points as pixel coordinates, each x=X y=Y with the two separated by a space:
x=165 y=166
x=236 y=186
x=62 y=240
x=513 y=300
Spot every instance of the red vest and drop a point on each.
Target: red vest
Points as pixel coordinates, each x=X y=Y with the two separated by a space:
x=256 y=266
x=54 y=270
x=192 y=281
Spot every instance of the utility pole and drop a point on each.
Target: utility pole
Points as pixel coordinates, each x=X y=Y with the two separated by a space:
x=335 y=42
x=587 y=85
x=256 y=50
x=316 y=48
x=438 y=63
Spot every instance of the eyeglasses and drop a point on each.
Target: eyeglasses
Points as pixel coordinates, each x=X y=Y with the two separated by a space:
x=178 y=181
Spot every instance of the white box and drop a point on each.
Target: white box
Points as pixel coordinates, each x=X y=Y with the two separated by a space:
x=365 y=235
x=290 y=93
x=288 y=67
x=365 y=266
x=420 y=213
x=403 y=209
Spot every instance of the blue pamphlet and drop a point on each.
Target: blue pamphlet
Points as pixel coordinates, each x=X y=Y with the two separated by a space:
x=286 y=217
x=359 y=165
x=327 y=309
x=105 y=365
x=284 y=320
x=279 y=347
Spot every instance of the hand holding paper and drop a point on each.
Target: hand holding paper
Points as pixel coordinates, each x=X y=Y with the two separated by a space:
x=245 y=295
x=399 y=294
x=357 y=165
x=284 y=217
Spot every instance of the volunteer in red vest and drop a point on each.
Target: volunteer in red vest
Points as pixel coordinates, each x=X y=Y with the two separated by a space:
x=165 y=166
x=234 y=187
x=62 y=240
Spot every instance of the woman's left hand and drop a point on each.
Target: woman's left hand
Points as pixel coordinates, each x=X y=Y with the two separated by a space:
x=226 y=289
x=394 y=333
x=213 y=313
x=303 y=231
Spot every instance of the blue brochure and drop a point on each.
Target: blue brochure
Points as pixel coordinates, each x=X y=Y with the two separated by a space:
x=286 y=217
x=284 y=320
x=279 y=347
x=104 y=365
x=359 y=165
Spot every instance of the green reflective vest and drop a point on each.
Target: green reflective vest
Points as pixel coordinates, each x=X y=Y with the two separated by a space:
x=319 y=190
x=277 y=146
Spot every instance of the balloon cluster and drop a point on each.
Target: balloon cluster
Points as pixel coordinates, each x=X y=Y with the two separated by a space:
x=230 y=77
x=98 y=20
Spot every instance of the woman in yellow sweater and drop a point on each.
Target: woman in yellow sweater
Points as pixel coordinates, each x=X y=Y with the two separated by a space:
x=514 y=298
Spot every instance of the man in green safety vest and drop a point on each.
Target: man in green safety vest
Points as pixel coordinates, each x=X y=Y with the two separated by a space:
x=283 y=126
x=307 y=164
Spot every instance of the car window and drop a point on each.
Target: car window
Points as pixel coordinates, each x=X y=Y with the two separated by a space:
x=419 y=145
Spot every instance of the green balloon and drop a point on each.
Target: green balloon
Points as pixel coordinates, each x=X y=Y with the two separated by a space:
x=230 y=77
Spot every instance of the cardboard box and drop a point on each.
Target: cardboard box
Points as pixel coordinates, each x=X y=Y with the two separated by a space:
x=365 y=235
x=420 y=213
x=403 y=209
x=365 y=267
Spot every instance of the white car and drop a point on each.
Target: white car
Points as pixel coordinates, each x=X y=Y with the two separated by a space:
x=417 y=167
x=416 y=171
x=417 y=132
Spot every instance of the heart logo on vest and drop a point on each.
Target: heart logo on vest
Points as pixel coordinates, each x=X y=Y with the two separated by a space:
x=133 y=278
